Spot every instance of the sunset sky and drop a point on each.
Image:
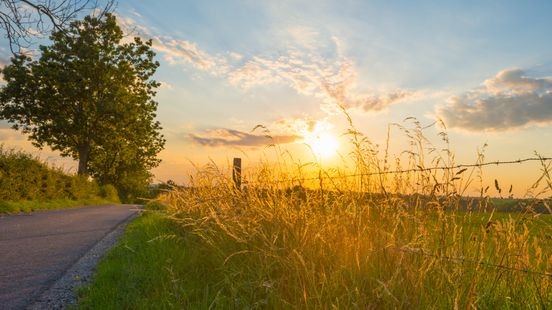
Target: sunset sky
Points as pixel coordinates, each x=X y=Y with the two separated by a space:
x=483 y=67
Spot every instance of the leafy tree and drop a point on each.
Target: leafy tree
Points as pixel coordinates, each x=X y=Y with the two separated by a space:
x=126 y=166
x=89 y=96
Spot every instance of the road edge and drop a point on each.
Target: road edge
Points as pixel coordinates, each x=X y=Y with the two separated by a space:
x=63 y=292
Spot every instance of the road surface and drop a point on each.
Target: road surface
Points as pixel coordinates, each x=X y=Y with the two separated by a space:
x=36 y=249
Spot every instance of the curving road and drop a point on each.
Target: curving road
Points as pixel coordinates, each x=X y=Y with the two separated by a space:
x=37 y=249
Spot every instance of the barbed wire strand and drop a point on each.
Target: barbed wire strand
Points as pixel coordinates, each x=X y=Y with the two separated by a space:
x=422 y=169
x=418 y=169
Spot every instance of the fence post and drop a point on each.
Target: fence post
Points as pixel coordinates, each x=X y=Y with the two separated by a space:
x=236 y=173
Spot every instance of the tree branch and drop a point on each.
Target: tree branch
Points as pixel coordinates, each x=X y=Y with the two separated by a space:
x=23 y=20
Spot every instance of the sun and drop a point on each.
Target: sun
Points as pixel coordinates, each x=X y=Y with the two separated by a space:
x=323 y=144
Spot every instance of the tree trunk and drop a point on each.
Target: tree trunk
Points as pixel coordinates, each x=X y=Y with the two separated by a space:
x=84 y=153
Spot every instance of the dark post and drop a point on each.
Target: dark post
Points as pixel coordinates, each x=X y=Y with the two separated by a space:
x=236 y=173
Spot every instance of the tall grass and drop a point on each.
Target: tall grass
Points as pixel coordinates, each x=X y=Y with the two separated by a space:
x=403 y=240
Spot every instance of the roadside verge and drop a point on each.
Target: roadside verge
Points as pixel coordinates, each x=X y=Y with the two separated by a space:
x=63 y=292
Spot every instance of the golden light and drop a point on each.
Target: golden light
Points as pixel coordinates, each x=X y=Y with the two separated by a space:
x=323 y=144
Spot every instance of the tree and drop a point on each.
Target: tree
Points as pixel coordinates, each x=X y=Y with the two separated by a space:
x=24 y=19
x=125 y=166
x=89 y=96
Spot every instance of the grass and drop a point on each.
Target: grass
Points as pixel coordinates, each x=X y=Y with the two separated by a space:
x=408 y=240
x=156 y=265
x=11 y=207
x=227 y=261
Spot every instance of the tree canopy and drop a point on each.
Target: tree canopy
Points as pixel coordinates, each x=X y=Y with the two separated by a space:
x=89 y=96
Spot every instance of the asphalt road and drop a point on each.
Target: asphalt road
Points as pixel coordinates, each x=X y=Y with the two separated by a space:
x=36 y=249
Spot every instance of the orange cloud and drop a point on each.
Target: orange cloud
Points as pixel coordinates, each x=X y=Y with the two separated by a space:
x=231 y=137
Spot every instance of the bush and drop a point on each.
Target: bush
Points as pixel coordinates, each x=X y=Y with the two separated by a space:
x=109 y=192
x=25 y=177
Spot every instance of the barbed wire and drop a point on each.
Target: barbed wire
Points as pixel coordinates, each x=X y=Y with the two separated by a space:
x=418 y=251
x=417 y=169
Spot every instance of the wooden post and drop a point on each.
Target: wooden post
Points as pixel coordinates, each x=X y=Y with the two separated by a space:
x=236 y=173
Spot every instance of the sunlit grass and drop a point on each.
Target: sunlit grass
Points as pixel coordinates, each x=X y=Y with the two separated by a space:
x=405 y=240
x=312 y=250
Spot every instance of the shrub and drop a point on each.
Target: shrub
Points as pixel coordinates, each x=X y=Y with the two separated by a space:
x=25 y=177
x=109 y=192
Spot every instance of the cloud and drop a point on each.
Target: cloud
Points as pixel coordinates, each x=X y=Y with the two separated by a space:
x=183 y=51
x=332 y=80
x=329 y=76
x=290 y=130
x=4 y=61
x=509 y=100
x=303 y=126
x=165 y=85
x=135 y=13
x=231 y=137
x=132 y=28
x=175 y=51
x=305 y=36
x=337 y=89
x=514 y=82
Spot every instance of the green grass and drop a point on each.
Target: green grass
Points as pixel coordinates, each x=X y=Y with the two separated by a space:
x=10 y=207
x=156 y=265
x=160 y=264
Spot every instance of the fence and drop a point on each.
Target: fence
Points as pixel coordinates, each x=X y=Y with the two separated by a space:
x=237 y=170
x=237 y=174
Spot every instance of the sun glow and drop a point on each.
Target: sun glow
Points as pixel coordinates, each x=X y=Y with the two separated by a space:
x=323 y=144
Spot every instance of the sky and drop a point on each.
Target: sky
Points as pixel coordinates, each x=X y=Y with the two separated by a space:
x=482 y=67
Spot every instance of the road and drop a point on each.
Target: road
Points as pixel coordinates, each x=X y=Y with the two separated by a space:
x=36 y=249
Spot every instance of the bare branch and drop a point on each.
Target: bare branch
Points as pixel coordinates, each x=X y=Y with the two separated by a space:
x=23 y=20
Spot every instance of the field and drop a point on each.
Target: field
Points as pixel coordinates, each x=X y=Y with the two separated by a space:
x=286 y=240
x=281 y=254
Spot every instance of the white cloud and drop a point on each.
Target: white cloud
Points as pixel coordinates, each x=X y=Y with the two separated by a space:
x=235 y=56
x=135 y=13
x=184 y=52
x=303 y=126
x=175 y=51
x=514 y=81
x=3 y=63
x=508 y=100
x=165 y=85
x=304 y=36
x=132 y=28
x=332 y=80
x=332 y=77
